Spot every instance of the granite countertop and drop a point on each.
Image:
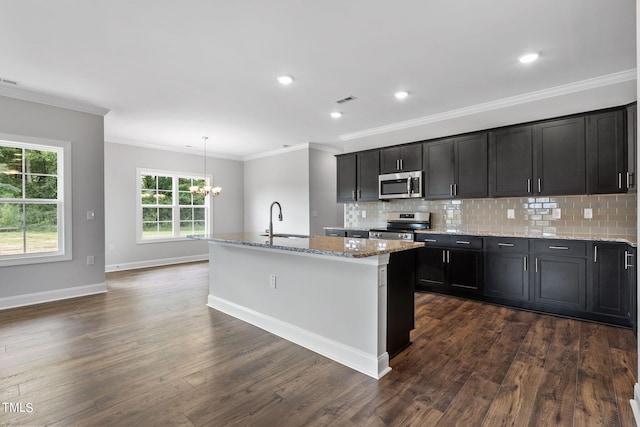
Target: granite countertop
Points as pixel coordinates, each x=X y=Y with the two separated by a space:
x=347 y=247
x=340 y=227
x=560 y=236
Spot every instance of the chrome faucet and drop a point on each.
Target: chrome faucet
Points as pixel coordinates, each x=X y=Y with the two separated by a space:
x=271 y=217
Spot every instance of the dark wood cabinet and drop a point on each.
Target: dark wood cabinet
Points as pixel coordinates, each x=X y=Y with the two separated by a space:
x=606 y=147
x=360 y=234
x=507 y=268
x=559 y=156
x=401 y=158
x=357 y=177
x=560 y=274
x=610 y=292
x=450 y=264
x=456 y=167
x=367 y=176
x=632 y=148
x=630 y=262
x=439 y=169
x=335 y=232
x=471 y=166
x=511 y=162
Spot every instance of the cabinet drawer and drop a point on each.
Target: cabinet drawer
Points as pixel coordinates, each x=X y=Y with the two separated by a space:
x=450 y=241
x=362 y=234
x=336 y=232
x=560 y=247
x=507 y=244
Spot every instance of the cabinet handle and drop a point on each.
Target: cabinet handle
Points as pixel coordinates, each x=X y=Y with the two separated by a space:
x=524 y=263
x=430 y=240
x=536 y=264
x=528 y=185
x=401 y=165
x=455 y=189
x=359 y=194
x=595 y=253
x=353 y=194
x=409 y=186
x=564 y=248
x=506 y=245
x=451 y=189
x=462 y=242
x=444 y=257
x=620 y=180
x=628 y=180
x=448 y=257
x=626 y=257
x=539 y=185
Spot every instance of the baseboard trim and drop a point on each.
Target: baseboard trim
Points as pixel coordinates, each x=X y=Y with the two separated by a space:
x=635 y=403
x=49 y=296
x=370 y=365
x=154 y=263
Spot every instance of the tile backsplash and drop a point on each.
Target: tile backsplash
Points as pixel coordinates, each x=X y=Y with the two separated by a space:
x=613 y=215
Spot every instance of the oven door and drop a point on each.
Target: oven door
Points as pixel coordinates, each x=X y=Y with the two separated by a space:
x=401 y=185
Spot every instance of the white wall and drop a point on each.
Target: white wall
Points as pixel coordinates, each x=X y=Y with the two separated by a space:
x=121 y=162
x=325 y=211
x=86 y=134
x=282 y=177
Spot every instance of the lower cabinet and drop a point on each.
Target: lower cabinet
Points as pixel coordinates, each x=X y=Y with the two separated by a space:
x=588 y=280
x=444 y=266
x=507 y=268
x=611 y=293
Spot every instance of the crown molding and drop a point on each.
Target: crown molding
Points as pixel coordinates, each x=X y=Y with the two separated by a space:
x=593 y=83
x=52 y=100
x=192 y=151
x=304 y=146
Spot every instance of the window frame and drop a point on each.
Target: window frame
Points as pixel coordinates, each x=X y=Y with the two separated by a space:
x=175 y=205
x=63 y=200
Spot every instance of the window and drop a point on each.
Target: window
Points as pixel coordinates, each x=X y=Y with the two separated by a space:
x=166 y=208
x=34 y=203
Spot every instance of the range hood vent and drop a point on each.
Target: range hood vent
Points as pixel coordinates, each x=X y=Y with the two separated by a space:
x=346 y=99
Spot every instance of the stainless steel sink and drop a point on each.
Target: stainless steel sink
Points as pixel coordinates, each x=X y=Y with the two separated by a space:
x=287 y=236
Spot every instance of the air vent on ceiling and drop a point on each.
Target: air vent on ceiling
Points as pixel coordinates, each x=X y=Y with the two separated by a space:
x=346 y=99
x=7 y=81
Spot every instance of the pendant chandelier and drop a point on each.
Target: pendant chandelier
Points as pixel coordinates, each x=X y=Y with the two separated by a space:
x=207 y=189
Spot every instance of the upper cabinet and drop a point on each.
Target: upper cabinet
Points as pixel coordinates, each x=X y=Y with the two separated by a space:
x=511 y=162
x=559 y=157
x=403 y=158
x=632 y=147
x=606 y=153
x=358 y=177
x=456 y=167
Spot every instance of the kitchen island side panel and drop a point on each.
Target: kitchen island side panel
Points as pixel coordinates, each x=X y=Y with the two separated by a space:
x=335 y=306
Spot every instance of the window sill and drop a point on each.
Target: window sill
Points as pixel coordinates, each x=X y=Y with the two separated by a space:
x=9 y=261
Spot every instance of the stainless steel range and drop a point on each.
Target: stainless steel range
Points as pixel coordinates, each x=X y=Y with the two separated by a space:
x=402 y=226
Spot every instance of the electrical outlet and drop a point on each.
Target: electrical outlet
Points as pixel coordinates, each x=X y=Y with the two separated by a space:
x=511 y=213
x=557 y=213
x=364 y=214
x=272 y=281
x=588 y=213
x=91 y=260
x=91 y=215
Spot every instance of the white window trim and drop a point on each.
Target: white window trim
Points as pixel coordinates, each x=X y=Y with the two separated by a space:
x=65 y=220
x=140 y=240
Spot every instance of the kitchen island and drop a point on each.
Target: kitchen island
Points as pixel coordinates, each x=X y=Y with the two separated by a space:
x=348 y=299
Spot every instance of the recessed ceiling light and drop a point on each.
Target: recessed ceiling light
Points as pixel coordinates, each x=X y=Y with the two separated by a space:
x=336 y=114
x=285 y=80
x=401 y=94
x=528 y=57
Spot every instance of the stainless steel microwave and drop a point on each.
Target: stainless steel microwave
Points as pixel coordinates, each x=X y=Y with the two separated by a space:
x=402 y=185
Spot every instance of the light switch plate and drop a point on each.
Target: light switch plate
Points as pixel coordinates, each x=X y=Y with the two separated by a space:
x=364 y=214
x=557 y=213
x=272 y=281
x=588 y=213
x=511 y=213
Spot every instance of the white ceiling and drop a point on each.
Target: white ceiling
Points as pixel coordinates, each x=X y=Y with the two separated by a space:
x=172 y=71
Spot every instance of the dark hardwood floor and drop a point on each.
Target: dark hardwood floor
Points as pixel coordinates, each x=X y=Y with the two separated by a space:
x=150 y=353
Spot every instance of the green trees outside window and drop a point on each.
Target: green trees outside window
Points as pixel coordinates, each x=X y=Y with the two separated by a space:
x=30 y=199
x=168 y=209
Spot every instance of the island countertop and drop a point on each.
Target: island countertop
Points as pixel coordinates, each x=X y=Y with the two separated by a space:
x=347 y=247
